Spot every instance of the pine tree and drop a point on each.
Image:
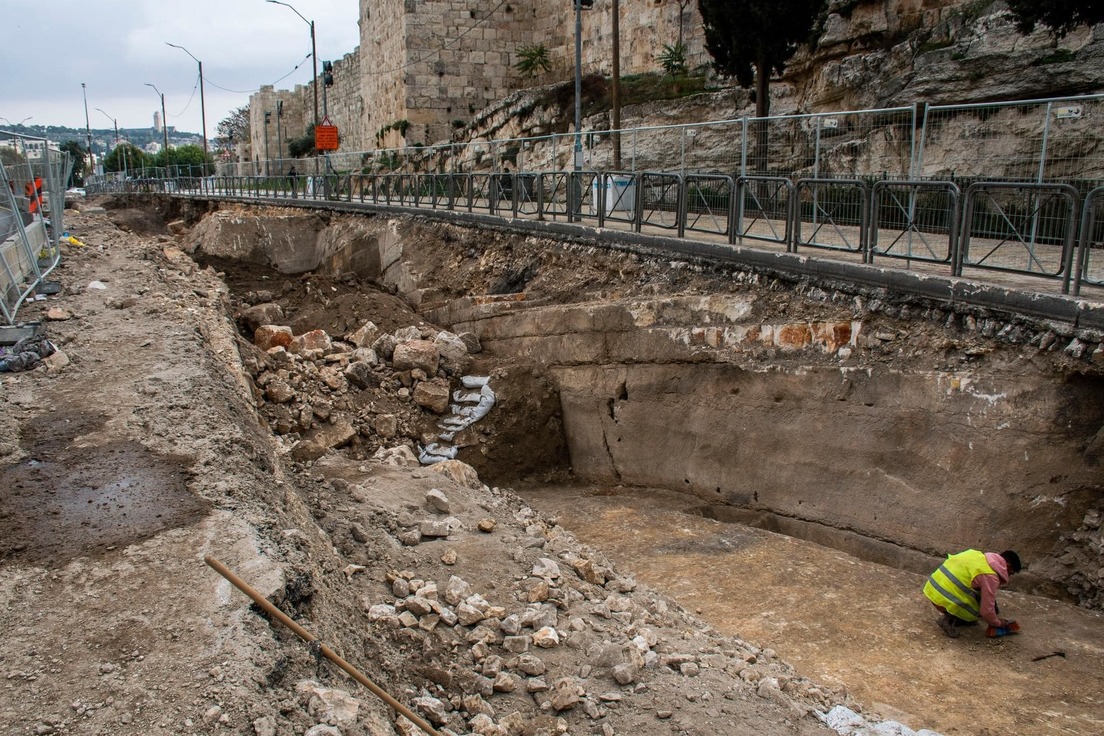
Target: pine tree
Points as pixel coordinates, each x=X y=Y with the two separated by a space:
x=1061 y=16
x=752 y=39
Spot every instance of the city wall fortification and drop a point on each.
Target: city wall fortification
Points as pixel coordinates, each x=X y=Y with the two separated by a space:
x=427 y=71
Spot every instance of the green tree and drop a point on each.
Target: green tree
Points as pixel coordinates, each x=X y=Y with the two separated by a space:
x=752 y=39
x=184 y=161
x=125 y=157
x=1061 y=16
x=533 y=60
x=303 y=145
x=233 y=129
x=673 y=60
x=79 y=156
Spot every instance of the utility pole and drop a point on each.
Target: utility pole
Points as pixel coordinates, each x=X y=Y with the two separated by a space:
x=268 y=161
x=279 y=139
x=116 y=124
x=578 y=162
x=202 y=105
x=88 y=129
x=164 y=118
x=615 y=87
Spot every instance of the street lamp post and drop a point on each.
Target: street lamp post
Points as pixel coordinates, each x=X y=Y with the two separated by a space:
x=314 y=55
x=202 y=106
x=578 y=163
x=116 y=124
x=20 y=123
x=268 y=161
x=88 y=129
x=279 y=139
x=113 y=122
x=164 y=118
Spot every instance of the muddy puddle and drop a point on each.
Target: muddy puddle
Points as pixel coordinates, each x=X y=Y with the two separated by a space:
x=847 y=622
x=75 y=495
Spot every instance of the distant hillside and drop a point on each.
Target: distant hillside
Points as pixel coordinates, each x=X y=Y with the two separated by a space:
x=103 y=139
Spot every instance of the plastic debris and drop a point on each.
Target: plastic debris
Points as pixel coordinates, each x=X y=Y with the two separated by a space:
x=847 y=722
x=26 y=354
x=470 y=407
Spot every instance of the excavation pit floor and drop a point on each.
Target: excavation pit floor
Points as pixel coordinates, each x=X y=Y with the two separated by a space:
x=133 y=635
x=846 y=622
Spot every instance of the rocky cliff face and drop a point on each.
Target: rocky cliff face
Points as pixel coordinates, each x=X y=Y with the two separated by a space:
x=871 y=54
x=883 y=54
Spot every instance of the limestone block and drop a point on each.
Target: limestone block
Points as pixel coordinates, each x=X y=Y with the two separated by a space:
x=313 y=340
x=267 y=337
x=433 y=395
x=416 y=354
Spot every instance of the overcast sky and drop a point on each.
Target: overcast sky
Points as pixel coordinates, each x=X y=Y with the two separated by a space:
x=115 y=47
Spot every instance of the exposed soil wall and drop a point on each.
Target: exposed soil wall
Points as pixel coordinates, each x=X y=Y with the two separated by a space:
x=884 y=425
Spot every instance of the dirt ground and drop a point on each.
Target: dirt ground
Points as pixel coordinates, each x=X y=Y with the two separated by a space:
x=142 y=447
x=846 y=622
x=155 y=446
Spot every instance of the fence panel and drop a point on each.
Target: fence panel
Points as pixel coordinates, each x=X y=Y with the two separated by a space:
x=833 y=212
x=554 y=186
x=1058 y=140
x=481 y=193
x=31 y=224
x=1021 y=228
x=914 y=220
x=661 y=198
x=708 y=203
x=763 y=209
x=614 y=196
x=1090 y=263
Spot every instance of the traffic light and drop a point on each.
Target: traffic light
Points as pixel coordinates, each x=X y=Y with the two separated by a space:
x=586 y=3
x=268 y=117
x=327 y=73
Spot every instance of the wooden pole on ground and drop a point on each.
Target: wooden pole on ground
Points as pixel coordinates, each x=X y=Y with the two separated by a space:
x=328 y=653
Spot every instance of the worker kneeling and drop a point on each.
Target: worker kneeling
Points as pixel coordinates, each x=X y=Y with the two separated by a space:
x=964 y=589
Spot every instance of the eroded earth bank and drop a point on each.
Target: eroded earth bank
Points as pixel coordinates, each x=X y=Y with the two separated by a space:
x=258 y=385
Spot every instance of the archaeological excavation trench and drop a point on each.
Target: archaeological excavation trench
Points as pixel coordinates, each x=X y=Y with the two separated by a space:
x=893 y=430
x=760 y=449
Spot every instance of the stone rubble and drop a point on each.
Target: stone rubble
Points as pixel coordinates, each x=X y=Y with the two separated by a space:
x=319 y=392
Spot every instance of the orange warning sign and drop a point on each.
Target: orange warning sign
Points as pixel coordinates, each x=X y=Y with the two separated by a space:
x=326 y=137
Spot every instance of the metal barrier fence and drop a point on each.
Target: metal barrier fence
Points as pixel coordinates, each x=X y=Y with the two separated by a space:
x=882 y=183
x=1050 y=140
x=32 y=205
x=1035 y=230
x=1090 y=270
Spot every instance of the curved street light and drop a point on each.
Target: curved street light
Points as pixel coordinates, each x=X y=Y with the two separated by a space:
x=314 y=56
x=116 y=124
x=113 y=122
x=19 y=123
x=164 y=119
x=202 y=106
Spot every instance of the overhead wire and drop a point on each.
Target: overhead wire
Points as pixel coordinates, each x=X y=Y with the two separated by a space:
x=188 y=104
x=258 y=89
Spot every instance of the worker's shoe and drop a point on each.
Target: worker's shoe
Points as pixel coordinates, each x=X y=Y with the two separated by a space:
x=948 y=625
x=1009 y=628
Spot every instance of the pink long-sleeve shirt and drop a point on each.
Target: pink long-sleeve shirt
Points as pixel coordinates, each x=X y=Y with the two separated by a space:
x=987 y=585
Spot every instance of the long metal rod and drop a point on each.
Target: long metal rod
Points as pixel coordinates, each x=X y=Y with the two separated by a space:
x=328 y=653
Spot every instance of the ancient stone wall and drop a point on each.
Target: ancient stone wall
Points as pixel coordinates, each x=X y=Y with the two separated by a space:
x=426 y=68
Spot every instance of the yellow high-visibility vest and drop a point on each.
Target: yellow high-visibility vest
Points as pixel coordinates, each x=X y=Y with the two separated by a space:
x=949 y=586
